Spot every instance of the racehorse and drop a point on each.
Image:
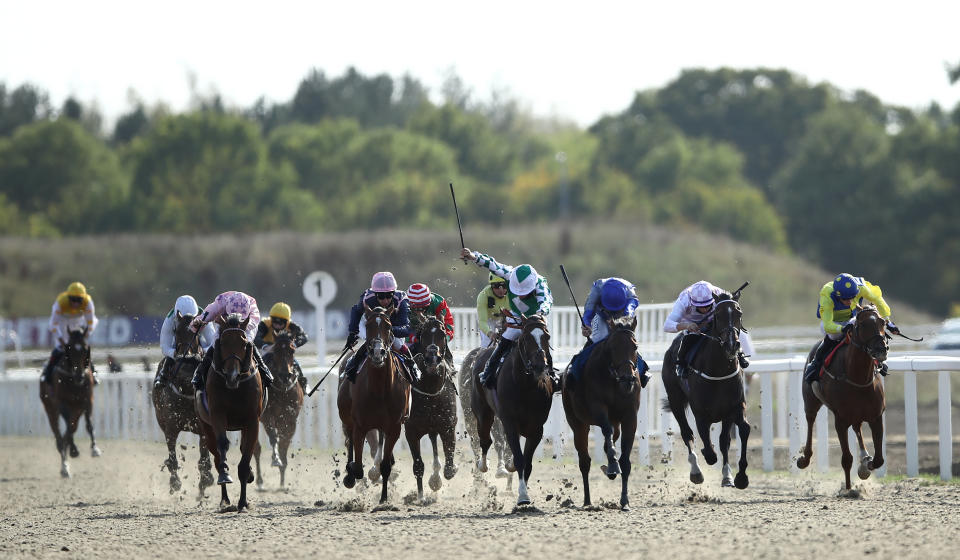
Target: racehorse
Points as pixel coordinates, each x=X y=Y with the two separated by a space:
x=232 y=399
x=608 y=395
x=714 y=390
x=173 y=403
x=521 y=399
x=465 y=382
x=69 y=394
x=279 y=418
x=852 y=389
x=378 y=400
x=434 y=408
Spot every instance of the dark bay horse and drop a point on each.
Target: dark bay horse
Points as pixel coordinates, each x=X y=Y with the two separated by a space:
x=379 y=400
x=434 y=408
x=608 y=396
x=232 y=399
x=465 y=383
x=714 y=390
x=521 y=399
x=851 y=388
x=279 y=418
x=69 y=394
x=173 y=403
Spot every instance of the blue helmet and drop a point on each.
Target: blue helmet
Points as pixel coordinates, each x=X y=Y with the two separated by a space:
x=614 y=295
x=846 y=286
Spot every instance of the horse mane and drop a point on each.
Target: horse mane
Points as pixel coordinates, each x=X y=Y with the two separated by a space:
x=233 y=320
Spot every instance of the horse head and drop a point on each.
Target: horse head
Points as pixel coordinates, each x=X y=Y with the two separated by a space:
x=728 y=322
x=533 y=347
x=379 y=333
x=621 y=344
x=283 y=349
x=234 y=354
x=186 y=343
x=869 y=333
x=433 y=341
x=77 y=354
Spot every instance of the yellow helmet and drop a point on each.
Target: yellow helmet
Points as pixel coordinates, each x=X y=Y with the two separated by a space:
x=494 y=279
x=280 y=310
x=77 y=290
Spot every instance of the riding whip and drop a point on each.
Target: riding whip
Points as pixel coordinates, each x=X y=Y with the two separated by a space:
x=564 y=272
x=317 y=386
x=457 y=212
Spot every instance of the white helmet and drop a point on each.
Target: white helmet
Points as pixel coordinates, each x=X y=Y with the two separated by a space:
x=701 y=294
x=186 y=305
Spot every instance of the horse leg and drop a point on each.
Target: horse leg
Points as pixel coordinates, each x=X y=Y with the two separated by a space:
x=811 y=406
x=355 y=467
x=248 y=440
x=386 y=464
x=223 y=445
x=876 y=428
x=581 y=441
x=863 y=470
x=505 y=464
x=435 y=481
x=628 y=432
x=727 y=480
x=513 y=440
x=72 y=422
x=448 y=437
x=213 y=446
x=94 y=450
x=678 y=405
x=529 y=448
x=413 y=441
x=348 y=479
x=54 y=418
x=741 y=481
x=485 y=420
x=275 y=454
x=375 y=440
x=703 y=428
x=204 y=466
x=846 y=458
x=284 y=446
x=170 y=434
x=612 y=468
x=256 y=462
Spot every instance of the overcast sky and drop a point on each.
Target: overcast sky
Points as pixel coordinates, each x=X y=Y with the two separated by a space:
x=575 y=60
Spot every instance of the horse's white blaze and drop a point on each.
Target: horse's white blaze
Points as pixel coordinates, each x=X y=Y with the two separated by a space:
x=522 y=496
x=538 y=336
x=694 y=466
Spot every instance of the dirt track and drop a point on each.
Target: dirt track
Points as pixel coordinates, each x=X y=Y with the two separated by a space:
x=118 y=506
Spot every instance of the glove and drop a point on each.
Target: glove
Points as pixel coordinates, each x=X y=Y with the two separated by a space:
x=352 y=339
x=467 y=255
x=892 y=328
x=847 y=327
x=688 y=326
x=586 y=331
x=196 y=324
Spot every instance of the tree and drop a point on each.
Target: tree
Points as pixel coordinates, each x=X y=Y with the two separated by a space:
x=21 y=106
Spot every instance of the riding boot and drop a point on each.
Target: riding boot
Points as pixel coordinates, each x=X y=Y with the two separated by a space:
x=644 y=370
x=353 y=364
x=93 y=370
x=488 y=377
x=301 y=378
x=266 y=378
x=742 y=358
x=407 y=358
x=200 y=375
x=161 y=377
x=813 y=368
x=55 y=356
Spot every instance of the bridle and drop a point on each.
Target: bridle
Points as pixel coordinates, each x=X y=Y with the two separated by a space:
x=244 y=365
x=728 y=334
x=378 y=349
x=870 y=346
x=539 y=361
x=630 y=363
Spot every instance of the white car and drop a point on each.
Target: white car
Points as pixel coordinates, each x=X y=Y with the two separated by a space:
x=949 y=336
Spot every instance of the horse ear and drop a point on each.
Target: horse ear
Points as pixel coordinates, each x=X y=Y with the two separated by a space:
x=179 y=316
x=366 y=308
x=633 y=323
x=85 y=330
x=243 y=325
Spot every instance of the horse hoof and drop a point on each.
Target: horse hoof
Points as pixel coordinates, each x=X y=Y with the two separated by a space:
x=227 y=508
x=349 y=481
x=508 y=464
x=803 y=462
x=741 y=481
x=449 y=472
x=373 y=474
x=524 y=502
x=65 y=472
x=206 y=480
x=696 y=478
x=95 y=451
x=435 y=482
x=250 y=480
x=727 y=482
x=502 y=472
x=275 y=462
x=175 y=484
x=709 y=455
x=624 y=507
x=863 y=472
x=224 y=478
x=482 y=467
x=74 y=452
x=611 y=474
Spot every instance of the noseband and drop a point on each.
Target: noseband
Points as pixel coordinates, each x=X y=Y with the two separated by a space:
x=869 y=347
x=244 y=367
x=630 y=363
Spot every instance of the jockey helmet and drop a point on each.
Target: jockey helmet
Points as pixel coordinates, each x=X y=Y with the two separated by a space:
x=614 y=295
x=186 y=305
x=846 y=286
x=383 y=282
x=77 y=290
x=523 y=280
x=236 y=302
x=701 y=294
x=280 y=310
x=494 y=280
x=419 y=295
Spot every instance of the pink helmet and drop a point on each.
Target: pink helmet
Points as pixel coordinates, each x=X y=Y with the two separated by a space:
x=236 y=302
x=383 y=282
x=419 y=295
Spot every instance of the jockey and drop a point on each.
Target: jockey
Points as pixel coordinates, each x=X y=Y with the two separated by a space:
x=527 y=293
x=382 y=293
x=693 y=309
x=279 y=321
x=229 y=303
x=839 y=299
x=72 y=310
x=610 y=298
x=185 y=305
x=422 y=303
x=491 y=301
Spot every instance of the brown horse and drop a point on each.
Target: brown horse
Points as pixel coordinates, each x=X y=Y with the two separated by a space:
x=379 y=400
x=465 y=382
x=521 y=399
x=434 y=408
x=173 y=403
x=232 y=399
x=608 y=396
x=851 y=388
x=279 y=418
x=714 y=390
x=69 y=394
